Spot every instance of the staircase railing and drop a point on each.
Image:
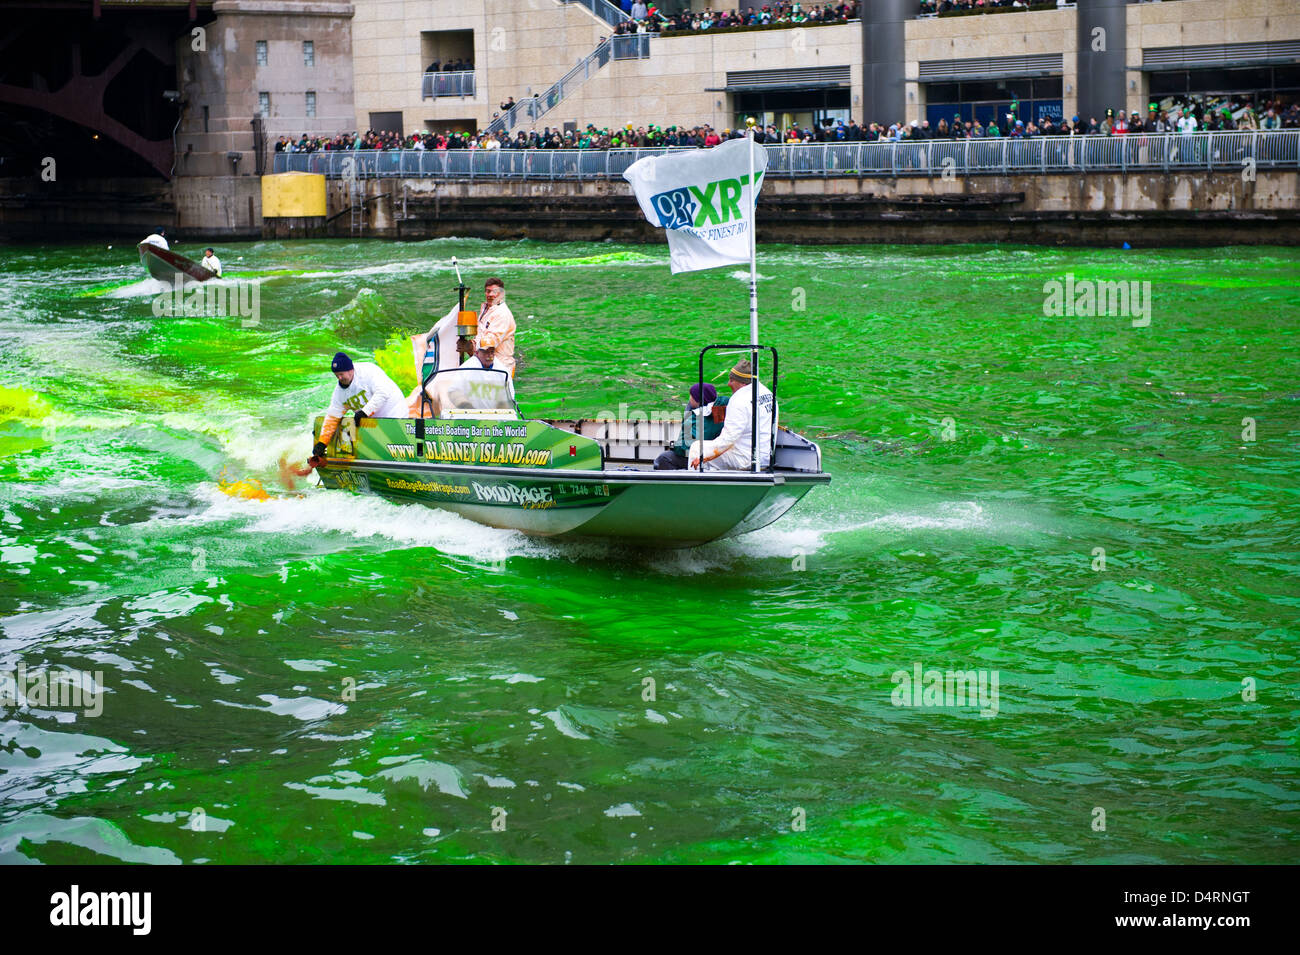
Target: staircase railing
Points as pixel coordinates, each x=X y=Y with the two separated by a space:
x=603 y=9
x=631 y=46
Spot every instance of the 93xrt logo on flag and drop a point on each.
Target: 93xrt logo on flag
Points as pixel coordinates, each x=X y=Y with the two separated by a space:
x=692 y=207
x=703 y=199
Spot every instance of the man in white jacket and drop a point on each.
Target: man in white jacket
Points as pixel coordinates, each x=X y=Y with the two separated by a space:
x=365 y=391
x=157 y=237
x=729 y=451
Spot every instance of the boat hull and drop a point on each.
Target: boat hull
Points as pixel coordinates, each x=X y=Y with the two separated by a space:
x=165 y=265
x=641 y=508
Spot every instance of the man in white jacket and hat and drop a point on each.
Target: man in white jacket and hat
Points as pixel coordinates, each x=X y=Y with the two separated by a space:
x=730 y=451
x=364 y=391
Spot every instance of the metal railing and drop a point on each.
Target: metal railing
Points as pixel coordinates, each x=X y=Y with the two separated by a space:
x=633 y=46
x=605 y=10
x=433 y=85
x=1143 y=152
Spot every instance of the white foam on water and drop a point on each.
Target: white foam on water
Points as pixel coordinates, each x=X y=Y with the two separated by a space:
x=262 y=450
x=151 y=287
x=391 y=268
x=366 y=518
x=946 y=516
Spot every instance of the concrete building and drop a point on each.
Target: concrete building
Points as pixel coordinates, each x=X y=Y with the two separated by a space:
x=895 y=66
x=259 y=70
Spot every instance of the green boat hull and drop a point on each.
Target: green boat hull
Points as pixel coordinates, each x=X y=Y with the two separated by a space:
x=660 y=509
x=557 y=483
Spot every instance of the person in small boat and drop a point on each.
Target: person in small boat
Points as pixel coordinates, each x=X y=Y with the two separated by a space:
x=211 y=262
x=712 y=412
x=730 y=450
x=496 y=325
x=158 y=238
x=363 y=390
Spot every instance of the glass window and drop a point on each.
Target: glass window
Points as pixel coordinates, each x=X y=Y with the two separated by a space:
x=471 y=390
x=1164 y=84
x=1047 y=87
x=943 y=92
x=311 y=104
x=308 y=53
x=261 y=53
x=264 y=103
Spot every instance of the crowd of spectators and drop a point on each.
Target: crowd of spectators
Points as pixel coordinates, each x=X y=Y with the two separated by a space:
x=935 y=7
x=451 y=66
x=647 y=18
x=1172 y=116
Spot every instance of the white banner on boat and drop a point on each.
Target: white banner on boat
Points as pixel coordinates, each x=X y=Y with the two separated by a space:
x=703 y=200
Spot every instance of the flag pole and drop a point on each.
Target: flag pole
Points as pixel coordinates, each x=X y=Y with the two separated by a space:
x=753 y=240
x=753 y=297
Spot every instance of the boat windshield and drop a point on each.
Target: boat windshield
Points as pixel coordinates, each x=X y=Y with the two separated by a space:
x=472 y=393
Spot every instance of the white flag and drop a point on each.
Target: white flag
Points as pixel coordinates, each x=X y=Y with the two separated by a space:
x=703 y=199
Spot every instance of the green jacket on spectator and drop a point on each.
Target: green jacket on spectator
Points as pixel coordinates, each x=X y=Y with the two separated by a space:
x=711 y=428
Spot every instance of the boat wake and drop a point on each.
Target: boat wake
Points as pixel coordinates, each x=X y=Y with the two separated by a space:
x=365 y=518
x=149 y=287
x=946 y=516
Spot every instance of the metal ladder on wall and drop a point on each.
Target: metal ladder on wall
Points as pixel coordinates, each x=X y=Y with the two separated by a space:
x=357 y=203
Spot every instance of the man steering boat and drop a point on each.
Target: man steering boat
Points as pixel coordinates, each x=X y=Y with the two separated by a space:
x=496 y=325
x=730 y=450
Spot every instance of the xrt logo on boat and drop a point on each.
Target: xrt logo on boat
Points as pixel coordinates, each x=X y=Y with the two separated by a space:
x=692 y=207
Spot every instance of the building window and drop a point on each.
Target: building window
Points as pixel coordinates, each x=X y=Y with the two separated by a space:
x=308 y=53
x=311 y=104
x=205 y=119
x=261 y=53
x=264 y=104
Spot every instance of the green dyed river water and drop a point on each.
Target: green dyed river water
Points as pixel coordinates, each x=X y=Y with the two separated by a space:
x=1073 y=506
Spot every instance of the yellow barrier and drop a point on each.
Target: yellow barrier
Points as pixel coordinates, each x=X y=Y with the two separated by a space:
x=293 y=195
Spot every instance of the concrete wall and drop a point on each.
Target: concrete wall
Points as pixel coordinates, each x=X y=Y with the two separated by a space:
x=671 y=88
x=524 y=46
x=1199 y=208
x=1201 y=23
x=226 y=79
x=1002 y=34
x=218 y=206
x=519 y=46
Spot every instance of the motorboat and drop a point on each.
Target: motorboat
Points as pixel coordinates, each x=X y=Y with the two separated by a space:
x=476 y=456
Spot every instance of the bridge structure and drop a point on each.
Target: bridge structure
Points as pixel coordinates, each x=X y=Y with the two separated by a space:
x=87 y=83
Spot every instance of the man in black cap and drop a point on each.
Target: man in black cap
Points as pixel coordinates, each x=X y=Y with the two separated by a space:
x=365 y=391
x=708 y=407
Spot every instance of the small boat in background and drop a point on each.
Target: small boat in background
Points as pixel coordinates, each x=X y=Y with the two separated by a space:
x=165 y=265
